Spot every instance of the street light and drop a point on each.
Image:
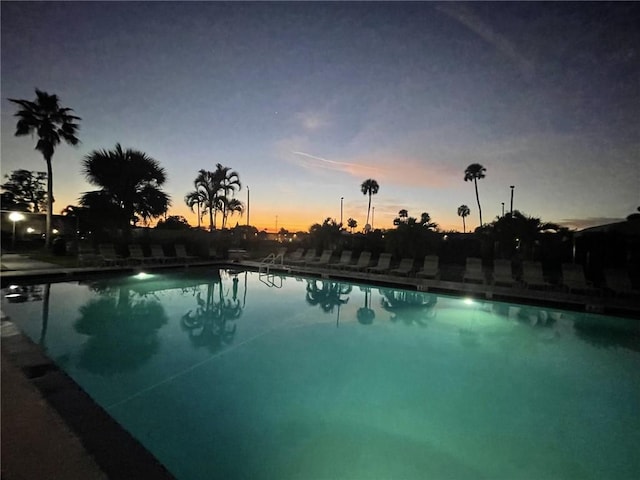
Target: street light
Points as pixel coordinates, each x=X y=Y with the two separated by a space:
x=341 y=200
x=503 y=209
x=15 y=217
x=512 y=187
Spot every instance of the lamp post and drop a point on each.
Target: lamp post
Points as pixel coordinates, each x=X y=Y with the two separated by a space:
x=15 y=217
x=341 y=203
x=512 y=187
x=503 y=209
x=248 y=205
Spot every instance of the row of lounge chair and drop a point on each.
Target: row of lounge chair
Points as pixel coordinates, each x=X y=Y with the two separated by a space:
x=362 y=264
x=573 y=278
x=107 y=255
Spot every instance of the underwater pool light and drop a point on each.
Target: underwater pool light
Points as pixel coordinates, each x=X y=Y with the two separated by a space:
x=142 y=275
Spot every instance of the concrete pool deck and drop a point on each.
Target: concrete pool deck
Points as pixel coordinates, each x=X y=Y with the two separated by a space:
x=46 y=432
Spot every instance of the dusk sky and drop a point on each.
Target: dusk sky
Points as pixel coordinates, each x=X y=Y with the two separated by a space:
x=307 y=100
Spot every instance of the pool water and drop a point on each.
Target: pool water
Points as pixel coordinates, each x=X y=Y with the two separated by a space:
x=240 y=375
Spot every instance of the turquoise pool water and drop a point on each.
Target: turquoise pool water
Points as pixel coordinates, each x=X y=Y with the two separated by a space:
x=236 y=375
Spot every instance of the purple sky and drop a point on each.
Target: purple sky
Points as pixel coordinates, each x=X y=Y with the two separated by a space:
x=306 y=101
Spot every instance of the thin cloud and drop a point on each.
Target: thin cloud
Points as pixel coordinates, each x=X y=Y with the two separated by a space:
x=313 y=121
x=466 y=17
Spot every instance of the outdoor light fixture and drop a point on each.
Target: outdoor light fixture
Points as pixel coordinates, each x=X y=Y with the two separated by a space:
x=15 y=217
x=30 y=230
x=55 y=231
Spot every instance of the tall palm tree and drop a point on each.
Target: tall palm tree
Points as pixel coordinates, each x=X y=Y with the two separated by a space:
x=52 y=124
x=474 y=172
x=369 y=187
x=463 y=211
x=130 y=180
x=228 y=181
x=207 y=187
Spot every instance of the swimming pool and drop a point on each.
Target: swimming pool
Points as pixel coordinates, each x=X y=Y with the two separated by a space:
x=240 y=375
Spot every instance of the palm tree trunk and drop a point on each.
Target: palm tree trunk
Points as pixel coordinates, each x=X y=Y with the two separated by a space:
x=475 y=182
x=198 y=214
x=49 y=228
x=368 y=209
x=464 y=226
x=211 y=226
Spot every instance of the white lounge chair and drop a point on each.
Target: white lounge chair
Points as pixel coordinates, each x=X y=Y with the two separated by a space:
x=429 y=267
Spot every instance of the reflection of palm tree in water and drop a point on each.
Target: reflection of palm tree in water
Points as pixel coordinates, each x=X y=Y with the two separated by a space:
x=123 y=333
x=410 y=307
x=365 y=314
x=209 y=326
x=327 y=295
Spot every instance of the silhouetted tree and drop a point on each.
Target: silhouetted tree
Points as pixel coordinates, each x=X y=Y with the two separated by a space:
x=232 y=206
x=52 y=124
x=195 y=198
x=351 y=223
x=474 y=172
x=27 y=187
x=130 y=180
x=463 y=211
x=174 y=222
x=369 y=187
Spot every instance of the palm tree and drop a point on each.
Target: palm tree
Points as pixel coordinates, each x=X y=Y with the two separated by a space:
x=193 y=198
x=130 y=180
x=232 y=206
x=228 y=182
x=463 y=211
x=207 y=187
x=52 y=124
x=474 y=172
x=352 y=223
x=369 y=187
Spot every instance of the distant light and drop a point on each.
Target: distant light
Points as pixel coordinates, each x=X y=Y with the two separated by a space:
x=13 y=287
x=13 y=295
x=30 y=230
x=16 y=216
x=446 y=237
x=55 y=231
x=142 y=276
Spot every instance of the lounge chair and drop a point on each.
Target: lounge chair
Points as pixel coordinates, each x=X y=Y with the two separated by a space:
x=429 y=268
x=573 y=279
x=87 y=256
x=384 y=263
x=157 y=254
x=181 y=253
x=405 y=267
x=618 y=282
x=345 y=259
x=363 y=262
x=136 y=255
x=309 y=256
x=323 y=260
x=532 y=275
x=502 y=273
x=294 y=256
x=109 y=256
x=473 y=271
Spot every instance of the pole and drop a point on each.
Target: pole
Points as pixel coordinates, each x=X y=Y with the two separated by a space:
x=13 y=237
x=512 y=187
x=503 y=209
x=373 y=212
x=276 y=223
x=248 y=205
x=341 y=202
